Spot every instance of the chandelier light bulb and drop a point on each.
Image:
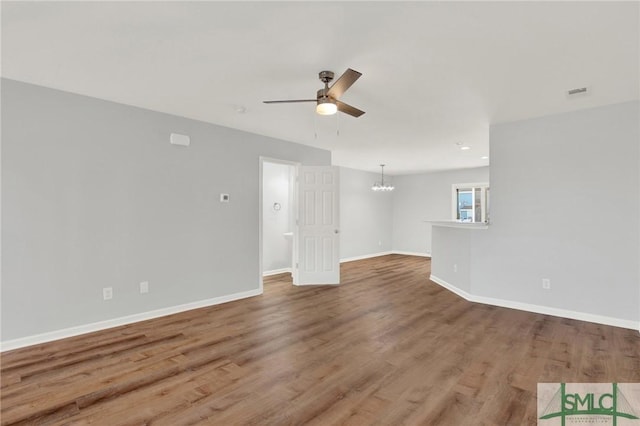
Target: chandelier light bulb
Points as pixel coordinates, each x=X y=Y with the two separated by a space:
x=380 y=186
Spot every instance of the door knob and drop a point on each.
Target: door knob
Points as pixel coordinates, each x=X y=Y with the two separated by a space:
x=335 y=231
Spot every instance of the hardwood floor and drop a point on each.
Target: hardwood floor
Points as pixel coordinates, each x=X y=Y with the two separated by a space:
x=386 y=347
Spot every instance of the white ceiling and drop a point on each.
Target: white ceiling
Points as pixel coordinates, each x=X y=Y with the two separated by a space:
x=434 y=73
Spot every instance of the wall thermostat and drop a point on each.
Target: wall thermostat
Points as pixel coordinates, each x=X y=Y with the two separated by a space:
x=224 y=198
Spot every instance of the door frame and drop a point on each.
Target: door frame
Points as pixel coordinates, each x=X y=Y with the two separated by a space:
x=293 y=195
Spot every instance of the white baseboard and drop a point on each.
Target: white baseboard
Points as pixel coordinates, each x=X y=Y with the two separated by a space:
x=365 y=256
x=116 y=322
x=411 y=253
x=316 y=284
x=451 y=288
x=276 y=272
x=538 y=309
x=8 y=345
x=384 y=253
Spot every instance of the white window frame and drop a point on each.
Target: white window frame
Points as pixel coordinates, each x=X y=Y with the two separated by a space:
x=484 y=186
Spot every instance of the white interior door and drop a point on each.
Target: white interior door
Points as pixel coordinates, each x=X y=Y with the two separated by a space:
x=318 y=226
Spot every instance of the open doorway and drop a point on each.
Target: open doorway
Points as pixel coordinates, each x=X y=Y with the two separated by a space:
x=278 y=216
x=299 y=222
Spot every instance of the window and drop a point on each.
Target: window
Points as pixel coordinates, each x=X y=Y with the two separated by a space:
x=470 y=202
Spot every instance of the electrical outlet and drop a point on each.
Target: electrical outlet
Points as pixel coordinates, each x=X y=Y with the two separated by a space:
x=546 y=283
x=144 y=287
x=379 y=243
x=107 y=293
x=455 y=267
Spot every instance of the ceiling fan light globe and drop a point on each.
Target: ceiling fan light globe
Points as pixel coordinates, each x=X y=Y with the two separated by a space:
x=326 y=108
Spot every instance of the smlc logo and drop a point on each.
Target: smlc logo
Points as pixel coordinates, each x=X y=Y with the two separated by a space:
x=588 y=403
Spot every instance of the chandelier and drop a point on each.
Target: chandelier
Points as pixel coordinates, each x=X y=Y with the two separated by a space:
x=381 y=186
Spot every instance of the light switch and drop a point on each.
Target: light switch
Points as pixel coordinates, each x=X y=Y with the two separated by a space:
x=224 y=198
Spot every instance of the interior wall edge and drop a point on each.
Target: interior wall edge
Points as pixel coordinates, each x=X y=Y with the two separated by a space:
x=538 y=309
x=116 y=322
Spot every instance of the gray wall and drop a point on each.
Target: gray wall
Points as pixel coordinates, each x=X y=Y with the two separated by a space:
x=422 y=197
x=451 y=259
x=565 y=204
x=93 y=196
x=365 y=215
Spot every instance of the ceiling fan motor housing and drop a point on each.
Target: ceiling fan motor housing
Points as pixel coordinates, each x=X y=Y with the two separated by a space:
x=325 y=76
x=322 y=94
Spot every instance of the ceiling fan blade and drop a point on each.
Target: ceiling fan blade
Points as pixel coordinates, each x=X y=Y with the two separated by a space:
x=290 y=101
x=348 y=109
x=343 y=83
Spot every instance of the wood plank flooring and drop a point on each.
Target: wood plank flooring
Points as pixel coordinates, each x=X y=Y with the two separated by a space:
x=386 y=347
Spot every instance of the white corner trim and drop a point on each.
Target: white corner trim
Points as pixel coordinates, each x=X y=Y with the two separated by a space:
x=451 y=288
x=411 y=253
x=116 y=322
x=276 y=272
x=538 y=309
x=365 y=256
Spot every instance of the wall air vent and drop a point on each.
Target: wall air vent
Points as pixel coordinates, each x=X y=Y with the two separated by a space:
x=578 y=92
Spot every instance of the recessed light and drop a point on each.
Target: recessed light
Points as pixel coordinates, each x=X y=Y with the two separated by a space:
x=484 y=157
x=465 y=148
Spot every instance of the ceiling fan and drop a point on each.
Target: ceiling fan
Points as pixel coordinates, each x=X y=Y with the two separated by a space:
x=327 y=102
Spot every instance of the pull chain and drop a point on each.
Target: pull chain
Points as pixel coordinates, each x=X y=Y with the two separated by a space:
x=315 y=125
